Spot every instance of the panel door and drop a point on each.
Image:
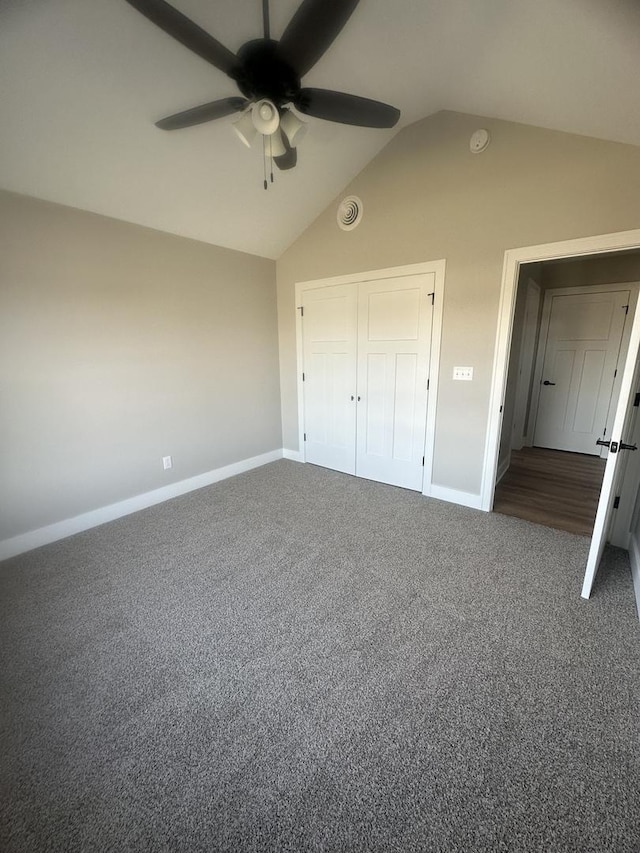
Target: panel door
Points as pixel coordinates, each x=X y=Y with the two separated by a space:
x=583 y=345
x=621 y=433
x=329 y=323
x=394 y=336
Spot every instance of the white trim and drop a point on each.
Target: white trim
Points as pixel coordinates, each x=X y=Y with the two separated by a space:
x=371 y=275
x=299 y=363
x=634 y=558
x=453 y=496
x=513 y=258
x=437 y=268
x=294 y=455
x=61 y=529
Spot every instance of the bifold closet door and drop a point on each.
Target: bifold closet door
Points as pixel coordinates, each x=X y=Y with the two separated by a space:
x=394 y=337
x=329 y=323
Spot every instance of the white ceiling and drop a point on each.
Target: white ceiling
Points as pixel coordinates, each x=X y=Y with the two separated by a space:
x=81 y=84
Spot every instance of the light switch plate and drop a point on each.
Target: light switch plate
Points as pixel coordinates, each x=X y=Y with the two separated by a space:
x=463 y=373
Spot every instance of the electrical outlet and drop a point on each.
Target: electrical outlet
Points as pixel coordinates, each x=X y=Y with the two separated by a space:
x=167 y=462
x=463 y=373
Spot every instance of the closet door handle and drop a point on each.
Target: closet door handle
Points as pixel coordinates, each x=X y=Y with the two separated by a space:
x=546 y=382
x=352 y=397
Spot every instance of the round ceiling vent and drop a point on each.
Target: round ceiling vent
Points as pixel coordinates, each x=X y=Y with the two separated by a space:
x=349 y=212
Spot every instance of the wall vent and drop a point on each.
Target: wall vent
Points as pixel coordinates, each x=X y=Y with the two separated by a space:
x=349 y=212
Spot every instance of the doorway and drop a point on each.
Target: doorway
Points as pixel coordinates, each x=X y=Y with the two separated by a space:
x=618 y=246
x=571 y=329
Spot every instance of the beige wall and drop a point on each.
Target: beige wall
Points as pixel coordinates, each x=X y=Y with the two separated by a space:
x=426 y=197
x=119 y=345
x=583 y=272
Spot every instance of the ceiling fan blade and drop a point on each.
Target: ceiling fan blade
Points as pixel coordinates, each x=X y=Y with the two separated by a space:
x=346 y=109
x=205 y=112
x=290 y=157
x=181 y=28
x=312 y=30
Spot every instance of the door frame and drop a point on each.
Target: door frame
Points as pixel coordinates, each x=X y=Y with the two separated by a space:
x=438 y=269
x=543 y=338
x=513 y=260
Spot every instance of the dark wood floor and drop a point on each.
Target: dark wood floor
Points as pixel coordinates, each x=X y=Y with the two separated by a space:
x=552 y=487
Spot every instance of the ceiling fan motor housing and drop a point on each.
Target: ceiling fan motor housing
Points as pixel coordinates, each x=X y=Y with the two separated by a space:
x=265 y=74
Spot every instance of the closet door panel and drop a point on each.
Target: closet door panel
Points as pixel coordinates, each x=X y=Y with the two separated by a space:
x=329 y=323
x=394 y=336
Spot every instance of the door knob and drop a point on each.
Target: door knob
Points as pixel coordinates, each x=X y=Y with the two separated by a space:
x=546 y=382
x=624 y=446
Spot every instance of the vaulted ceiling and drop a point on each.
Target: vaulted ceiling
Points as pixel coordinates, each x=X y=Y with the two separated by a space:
x=81 y=84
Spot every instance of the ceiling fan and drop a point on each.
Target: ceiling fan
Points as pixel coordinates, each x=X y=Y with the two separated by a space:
x=268 y=74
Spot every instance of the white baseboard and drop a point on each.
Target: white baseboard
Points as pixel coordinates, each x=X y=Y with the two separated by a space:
x=453 y=496
x=61 y=529
x=294 y=455
x=634 y=558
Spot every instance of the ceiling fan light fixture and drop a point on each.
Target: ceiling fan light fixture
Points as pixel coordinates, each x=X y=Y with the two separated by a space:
x=245 y=128
x=264 y=115
x=293 y=127
x=276 y=145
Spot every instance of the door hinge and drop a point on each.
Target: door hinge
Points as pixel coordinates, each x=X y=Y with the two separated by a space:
x=303 y=377
x=636 y=402
x=616 y=502
x=427 y=384
x=433 y=298
x=305 y=436
x=423 y=461
x=500 y=408
x=615 y=373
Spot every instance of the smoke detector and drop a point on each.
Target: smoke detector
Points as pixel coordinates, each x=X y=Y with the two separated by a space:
x=349 y=212
x=479 y=141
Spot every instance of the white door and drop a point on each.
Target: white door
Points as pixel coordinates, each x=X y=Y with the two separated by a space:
x=583 y=345
x=394 y=337
x=329 y=321
x=621 y=433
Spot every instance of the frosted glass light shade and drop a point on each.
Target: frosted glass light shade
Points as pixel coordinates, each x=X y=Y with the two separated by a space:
x=275 y=145
x=293 y=127
x=245 y=128
x=265 y=117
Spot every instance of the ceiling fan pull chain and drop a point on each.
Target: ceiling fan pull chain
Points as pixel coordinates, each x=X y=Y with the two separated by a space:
x=271 y=158
x=264 y=161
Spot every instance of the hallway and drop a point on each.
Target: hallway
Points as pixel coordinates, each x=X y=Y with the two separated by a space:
x=552 y=487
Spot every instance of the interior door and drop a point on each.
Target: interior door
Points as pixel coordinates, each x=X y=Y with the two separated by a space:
x=621 y=433
x=394 y=336
x=583 y=345
x=329 y=321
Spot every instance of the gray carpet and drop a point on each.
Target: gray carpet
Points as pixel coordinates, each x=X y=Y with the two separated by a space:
x=298 y=660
